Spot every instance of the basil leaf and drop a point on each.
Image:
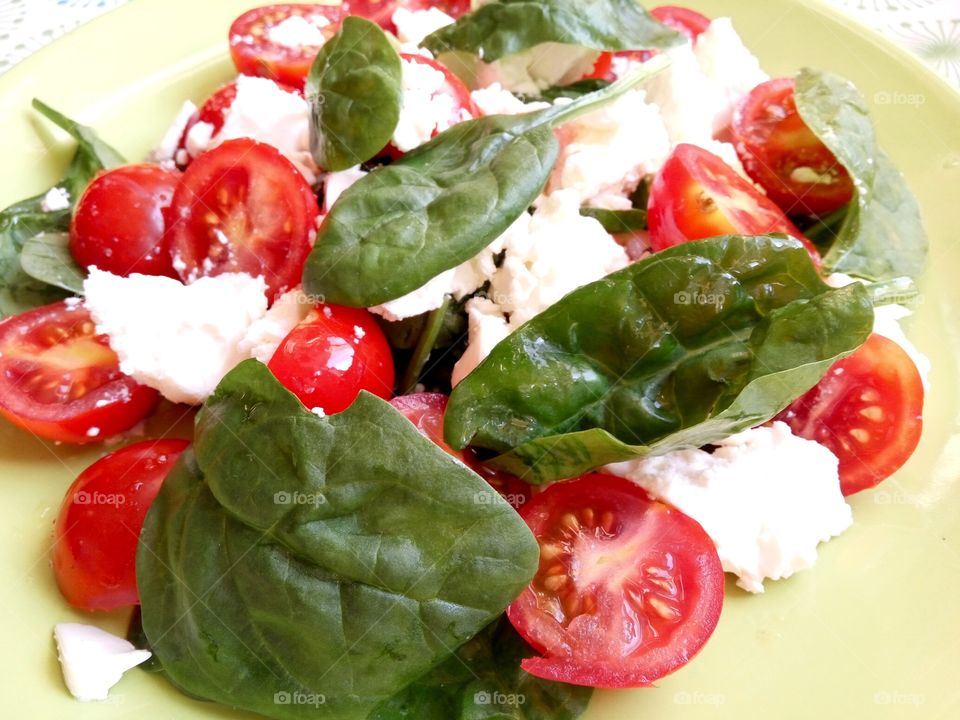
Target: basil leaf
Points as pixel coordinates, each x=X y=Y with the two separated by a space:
x=442 y=203
x=498 y=29
x=484 y=680
x=26 y=219
x=284 y=568
x=681 y=349
x=46 y=257
x=355 y=94
x=616 y=222
x=882 y=236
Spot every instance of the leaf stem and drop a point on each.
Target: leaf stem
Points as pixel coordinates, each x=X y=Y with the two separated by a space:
x=421 y=353
x=897 y=291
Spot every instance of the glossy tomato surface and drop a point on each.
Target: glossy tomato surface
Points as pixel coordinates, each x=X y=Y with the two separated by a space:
x=100 y=521
x=61 y=381
x=628 y=589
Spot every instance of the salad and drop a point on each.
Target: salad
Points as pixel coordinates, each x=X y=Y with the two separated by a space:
x=509 y=330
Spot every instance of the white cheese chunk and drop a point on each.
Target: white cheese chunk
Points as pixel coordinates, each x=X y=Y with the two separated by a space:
x=765 y=497
x=427 y=108
x=336 y=183
x=93 y=660
x=265 y=334
x=414 y=25
x=296 y=31
x=56 y=199
x=166 y=151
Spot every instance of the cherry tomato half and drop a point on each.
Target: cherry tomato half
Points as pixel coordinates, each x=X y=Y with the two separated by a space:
x=61 y=381
x=332 y=355
x=689 y=22
x=867 y=410
x=100 y=522
x=696 y=195
x=259 y=46
x=381 y=11
x=243 y=207
x=628 y=589
x=782 y=154
x=120 y=220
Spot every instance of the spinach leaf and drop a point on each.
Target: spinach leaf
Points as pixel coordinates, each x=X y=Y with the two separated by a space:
x=679 y=350
x=287 y=569
x=355 y=94
x=442 y=203
x=616 y=222
x=498 y=29
x=573 y=90
x=20 y=291
x=46 y=257
x=882 y=236
x=484 y=680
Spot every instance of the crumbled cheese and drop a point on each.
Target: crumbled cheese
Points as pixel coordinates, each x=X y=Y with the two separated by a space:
x=56 y=199
x=93 y=432
x=265 y=334
x=486 y=326
x=266 y=113
x=764 y=496
x=414 y=25
x=494 y=100
x=166 y=151
x=336 y=183
x=534 y=70
x=427 y=107
x=93 y=660
x=296 y=31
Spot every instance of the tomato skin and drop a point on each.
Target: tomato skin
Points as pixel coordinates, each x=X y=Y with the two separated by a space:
x=61 y=381
x=689 y=22
x=696 y=195
x=772 y=142
x=867 y=410
x=243 y=207
x=100 y=521
x=381 y=11
x=120 y=220
x=628 y=588
x=254 y=53
x=332 y=355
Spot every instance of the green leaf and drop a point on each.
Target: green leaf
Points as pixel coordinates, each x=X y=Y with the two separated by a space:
x=330 y=561
x=46 y=257
x=484 y=680
x=441 y=204
x=498 y=29
x=26 y=219
x=882 y=235
x=679 y=350
x=355 y=94
x=616 y=222
x=573 y=90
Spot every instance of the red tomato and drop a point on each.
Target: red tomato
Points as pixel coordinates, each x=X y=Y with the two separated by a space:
x=381 y=11
x=628 y=589
x=256 y=52
x=61 y=381
x=243 y=207
x=602 y=68
x=100 y=521
x=867 y=410
x=696 y=195
x=689 y=22
x=778 y=150
x=119 y=222
x=425 y=410
x=332 y=355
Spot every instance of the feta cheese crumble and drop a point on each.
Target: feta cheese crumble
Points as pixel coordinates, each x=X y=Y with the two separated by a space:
x=765 y=497
x=414 y=25
x=495 y=100
x=93 y=660
x=336 y=183
x=166 y=151
x=296 y=31
x=56 y=199
x=426 y=108
x=265 y=334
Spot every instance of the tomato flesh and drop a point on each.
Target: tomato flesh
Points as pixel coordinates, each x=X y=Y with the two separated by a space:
x=783 y=156
x=867 y=410
x=332 y=355
x=243 y=207
x=628 y=588
x=100 y=521
x=61 y=381
x=256 y=48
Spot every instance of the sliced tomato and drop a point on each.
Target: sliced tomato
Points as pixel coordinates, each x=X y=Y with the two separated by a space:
x=100 y=521
x=696 y=195
x=332 y=355
x=243 y=207
x=689 y=22
x=61 y=381
x=381 y=11
x=425 y=410
x=867 y=410
x=120 y=221
x=782 y=154
x=260 y=46
x=628 y=589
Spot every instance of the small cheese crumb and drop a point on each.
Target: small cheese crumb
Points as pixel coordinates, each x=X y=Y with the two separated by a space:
x=93 y=660
x=296 y=32
x=56 y=199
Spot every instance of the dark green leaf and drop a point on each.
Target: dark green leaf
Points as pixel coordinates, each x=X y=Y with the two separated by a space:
x=441 y=204
x=616 y=222
x=335 y=560
x=573 y=90
x=498 y=29
x=882 y=236
x=679 y=350
x=46 y=257
x=354 y=89
x=432 y=330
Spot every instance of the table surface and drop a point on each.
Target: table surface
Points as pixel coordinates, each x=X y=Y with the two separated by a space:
x=928 y=28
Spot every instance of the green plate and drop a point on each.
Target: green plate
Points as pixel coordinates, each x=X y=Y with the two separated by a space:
x=871 y=632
